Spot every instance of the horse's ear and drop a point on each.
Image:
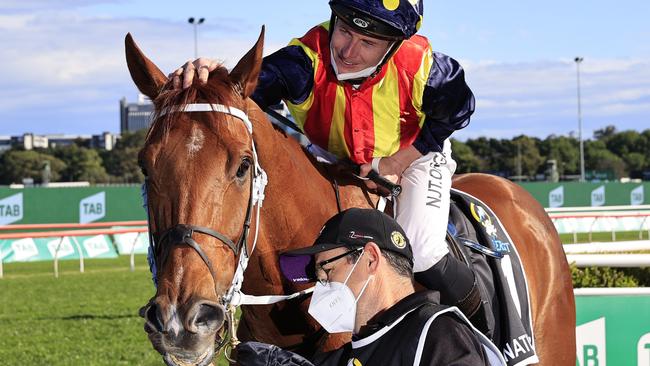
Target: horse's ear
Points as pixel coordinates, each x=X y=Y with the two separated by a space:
x=248 y=68
x=146 y=76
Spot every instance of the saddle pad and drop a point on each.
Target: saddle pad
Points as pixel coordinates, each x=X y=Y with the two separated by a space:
x=516 y=341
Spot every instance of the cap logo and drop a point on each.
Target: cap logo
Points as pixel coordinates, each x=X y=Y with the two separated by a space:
x=354 y=235
x=398 y=239
x=360 y=22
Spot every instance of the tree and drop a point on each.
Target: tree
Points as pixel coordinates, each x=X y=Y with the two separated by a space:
x=122 y=162
x=82 y=164
x=565 y=151
x=605 y=133
x=18 y=164
x=525 y=154
x=598 y=158
x=465 y=158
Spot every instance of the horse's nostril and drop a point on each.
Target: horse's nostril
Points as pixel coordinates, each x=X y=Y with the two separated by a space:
x=152 y=315
x=207 y=317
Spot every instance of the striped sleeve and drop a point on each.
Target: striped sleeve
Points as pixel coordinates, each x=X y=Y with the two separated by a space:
x=447 y=103
x=286 y=74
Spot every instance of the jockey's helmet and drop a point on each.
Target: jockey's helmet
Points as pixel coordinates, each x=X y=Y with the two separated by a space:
x=393 y=20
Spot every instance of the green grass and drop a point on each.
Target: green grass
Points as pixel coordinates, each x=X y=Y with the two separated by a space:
x=603 y=236
x=86 y=318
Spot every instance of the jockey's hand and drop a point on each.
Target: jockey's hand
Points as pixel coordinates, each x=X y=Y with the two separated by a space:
x=392 y=167
x=184 y=75
x=389 y=168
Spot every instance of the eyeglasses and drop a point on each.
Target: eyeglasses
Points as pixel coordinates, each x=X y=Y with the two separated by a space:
x=319 y=265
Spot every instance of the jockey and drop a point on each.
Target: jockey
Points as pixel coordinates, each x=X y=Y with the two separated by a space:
x=365 y=87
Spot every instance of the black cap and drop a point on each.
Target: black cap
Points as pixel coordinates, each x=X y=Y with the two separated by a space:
x=354 y=227
x=365 y=23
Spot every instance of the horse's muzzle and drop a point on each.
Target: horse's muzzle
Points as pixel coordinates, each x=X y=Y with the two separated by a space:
x=184 y=338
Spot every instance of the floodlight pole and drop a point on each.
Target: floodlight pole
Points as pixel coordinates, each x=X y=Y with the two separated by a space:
x=196 y=22
x=578 y=60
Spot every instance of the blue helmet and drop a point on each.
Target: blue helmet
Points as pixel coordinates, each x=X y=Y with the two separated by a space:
x=386 y=19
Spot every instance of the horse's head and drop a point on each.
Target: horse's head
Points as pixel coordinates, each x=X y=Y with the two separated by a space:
x=199 y=167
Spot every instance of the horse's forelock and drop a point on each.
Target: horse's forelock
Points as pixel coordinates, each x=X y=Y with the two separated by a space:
x=218 y=89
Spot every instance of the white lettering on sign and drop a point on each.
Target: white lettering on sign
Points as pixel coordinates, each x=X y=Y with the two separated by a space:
x=598 y=196
x=636 y=196
x=65 y=249
x=643 y=350
x=590 y=341
x=556 y=197
x=96 y=246
x=92 y=208
x=11 y=209
x=24 y=249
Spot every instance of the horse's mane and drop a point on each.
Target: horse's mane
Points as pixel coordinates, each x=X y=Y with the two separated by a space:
x=219 y=89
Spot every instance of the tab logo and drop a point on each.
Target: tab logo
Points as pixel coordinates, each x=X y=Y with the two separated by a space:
x=636 y=196
x=643 y=350
x=556 y=197
x=96 y=246
x=65 y=249
x=590 y=341
x=11 y=209
x=598 y=196
x=24 y=249
x=92 y=208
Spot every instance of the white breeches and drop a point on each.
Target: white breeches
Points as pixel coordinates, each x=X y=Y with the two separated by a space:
x=422 y=208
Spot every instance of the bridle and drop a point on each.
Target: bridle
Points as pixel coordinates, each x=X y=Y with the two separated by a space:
x=181 y=234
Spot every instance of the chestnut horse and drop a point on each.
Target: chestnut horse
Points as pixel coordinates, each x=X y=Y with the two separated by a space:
x=200 y=166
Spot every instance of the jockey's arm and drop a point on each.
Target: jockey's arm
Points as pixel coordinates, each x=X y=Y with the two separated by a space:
x=286 y=74
x=447 y=103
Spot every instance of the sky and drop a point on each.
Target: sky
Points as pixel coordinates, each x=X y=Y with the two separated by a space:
x=63 y=70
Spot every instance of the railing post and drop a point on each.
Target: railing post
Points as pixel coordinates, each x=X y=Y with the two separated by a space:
x=132 y=259
x=591 y=228
x=81 y=255
x=645 y=219
x=56 y=258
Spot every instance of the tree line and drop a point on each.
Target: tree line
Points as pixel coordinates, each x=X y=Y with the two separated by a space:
x=75 y=162
x=619 y=154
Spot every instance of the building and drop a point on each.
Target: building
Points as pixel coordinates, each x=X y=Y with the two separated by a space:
x=30 y=141
x=135 y=116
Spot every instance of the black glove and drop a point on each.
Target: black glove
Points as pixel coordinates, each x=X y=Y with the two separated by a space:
x=263 y=354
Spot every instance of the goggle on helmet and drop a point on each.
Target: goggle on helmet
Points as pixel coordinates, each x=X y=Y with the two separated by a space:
x=386 y=19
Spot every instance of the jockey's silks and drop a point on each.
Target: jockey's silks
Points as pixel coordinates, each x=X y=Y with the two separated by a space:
x=377 y=119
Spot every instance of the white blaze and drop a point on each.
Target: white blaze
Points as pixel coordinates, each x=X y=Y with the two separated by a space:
x=195 y=142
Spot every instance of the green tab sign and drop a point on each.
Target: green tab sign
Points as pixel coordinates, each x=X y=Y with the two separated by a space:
x=44 y=249
x=613 y=330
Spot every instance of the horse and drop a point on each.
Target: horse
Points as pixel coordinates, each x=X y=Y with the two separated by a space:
x=200 y=166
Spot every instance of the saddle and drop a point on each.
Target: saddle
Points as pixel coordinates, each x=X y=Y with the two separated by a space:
x=476 y=237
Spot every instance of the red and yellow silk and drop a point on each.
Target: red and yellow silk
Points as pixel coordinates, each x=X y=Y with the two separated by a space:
x=379 y=118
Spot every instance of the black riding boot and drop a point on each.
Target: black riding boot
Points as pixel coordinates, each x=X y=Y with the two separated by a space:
x=457 y=286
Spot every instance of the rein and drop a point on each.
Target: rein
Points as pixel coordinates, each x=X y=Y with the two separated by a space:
x=182 y=233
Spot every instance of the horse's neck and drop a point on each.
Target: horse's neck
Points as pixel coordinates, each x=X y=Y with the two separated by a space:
x=299 y=195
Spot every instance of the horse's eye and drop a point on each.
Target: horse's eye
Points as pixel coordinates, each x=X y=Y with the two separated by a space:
x=243 y=167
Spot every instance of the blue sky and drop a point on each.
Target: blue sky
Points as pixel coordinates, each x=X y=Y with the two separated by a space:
x=63 y=68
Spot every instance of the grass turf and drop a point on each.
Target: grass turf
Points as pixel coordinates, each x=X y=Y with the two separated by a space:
x=86 y=318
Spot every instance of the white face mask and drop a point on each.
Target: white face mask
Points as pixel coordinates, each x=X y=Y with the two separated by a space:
x=334 y=306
